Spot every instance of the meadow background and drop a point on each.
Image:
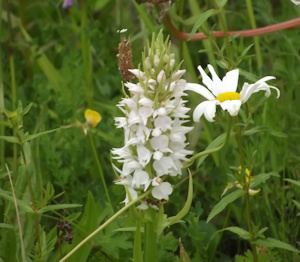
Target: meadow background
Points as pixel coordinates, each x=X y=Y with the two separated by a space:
x=64 y=61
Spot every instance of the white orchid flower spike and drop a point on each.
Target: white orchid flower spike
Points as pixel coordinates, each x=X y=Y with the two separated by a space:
x=224 y=93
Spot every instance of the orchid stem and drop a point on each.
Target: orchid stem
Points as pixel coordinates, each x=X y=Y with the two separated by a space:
x=100 y=228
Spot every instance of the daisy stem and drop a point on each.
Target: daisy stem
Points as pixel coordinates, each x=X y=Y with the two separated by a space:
x=247 y=198
x=212 y=150
x=100 y=228
x=100 y=171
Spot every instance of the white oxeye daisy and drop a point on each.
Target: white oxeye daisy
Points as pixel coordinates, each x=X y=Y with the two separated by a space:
x=224 y=93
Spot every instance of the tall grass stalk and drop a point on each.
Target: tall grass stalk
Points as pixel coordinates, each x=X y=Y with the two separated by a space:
x=100 y=171
x=255 y=38
x=18 y=216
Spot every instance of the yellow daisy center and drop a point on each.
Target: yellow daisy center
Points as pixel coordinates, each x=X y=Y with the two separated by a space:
x=92 y=117
x=228 y=96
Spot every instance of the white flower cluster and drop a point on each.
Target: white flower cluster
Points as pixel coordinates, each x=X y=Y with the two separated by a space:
x=155 y=138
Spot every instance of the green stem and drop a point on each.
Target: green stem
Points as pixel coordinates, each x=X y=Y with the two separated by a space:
x=36 y=215
x=18 y=216
x=224 y=29
x=255 y=38
x=247 y=198
x=100 y=171
x=12 y=80
x=2 y=127
x=99 y=229
x=137 y=249
x=212 y=150
x=86 y=54
x=239 y=141
x=250 y=226
x=150 y=236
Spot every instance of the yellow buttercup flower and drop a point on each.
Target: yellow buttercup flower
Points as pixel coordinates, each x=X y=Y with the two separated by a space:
x=92 y=117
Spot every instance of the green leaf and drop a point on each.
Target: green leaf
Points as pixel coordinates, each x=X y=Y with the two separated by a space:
x=237 y=230
x=57 y=207
x=202 y=19
x=224 y=202
x=4 y=225
x=295 y=182
x=297 y=204
x=31 y=137
x=214 y=144
x=272 y=242
x=10 y=139
x=22 y=204
x=187 y=206
x=257 y=180
x=221 y=3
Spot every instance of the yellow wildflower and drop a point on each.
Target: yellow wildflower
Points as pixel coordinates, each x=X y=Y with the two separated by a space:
x=92 y=117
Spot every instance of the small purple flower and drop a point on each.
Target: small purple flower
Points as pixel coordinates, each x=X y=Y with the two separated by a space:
x=67 y=3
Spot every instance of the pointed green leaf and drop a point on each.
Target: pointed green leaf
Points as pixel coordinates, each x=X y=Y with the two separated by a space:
x=239 y=231
x=22 y=204
x=4 y=225
x=187 y=205
x=202 y=19
x=31 y=137
x=297 y=204
x=224 y=202
x=57 y=207
x=10 y=139
x=262 y=178
x=295 y=182
x=272 y=242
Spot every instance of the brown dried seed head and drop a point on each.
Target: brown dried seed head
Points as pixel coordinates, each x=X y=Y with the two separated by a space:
x=125 y=60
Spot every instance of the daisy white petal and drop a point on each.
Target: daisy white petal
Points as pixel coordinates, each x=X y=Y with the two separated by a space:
x=206 y=80
x=200 y=90
x=208 y=108
x=230 y=81
x=232 y=106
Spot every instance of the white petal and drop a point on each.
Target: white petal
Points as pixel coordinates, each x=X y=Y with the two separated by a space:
x=208 y=82
x=133 y=195
x=232 y=106
x=162 y=191
x=138 y=73
x=140 y=177
x=163 y=122
x=230 y=81
x=156 y=132
x=163 y=166
x=160 y=143
x=144 y=101
x=161 y=76
x=158 y=155
x=208 y=108
x=200 y=90
x=217 y=81
x=144 y=155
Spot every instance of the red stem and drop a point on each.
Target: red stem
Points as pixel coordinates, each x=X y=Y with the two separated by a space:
x=244 y=33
